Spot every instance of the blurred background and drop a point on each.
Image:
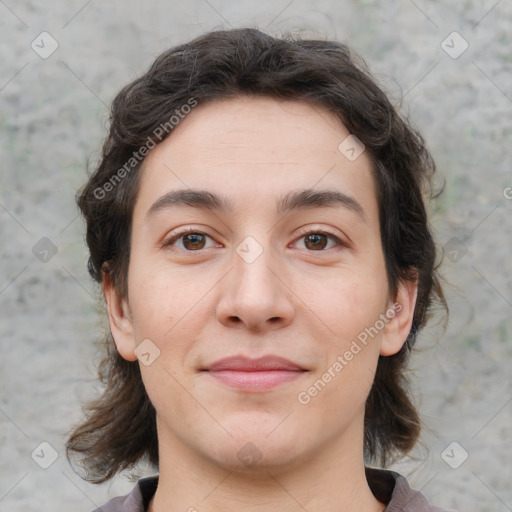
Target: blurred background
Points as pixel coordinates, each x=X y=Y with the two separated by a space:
x=448 y=64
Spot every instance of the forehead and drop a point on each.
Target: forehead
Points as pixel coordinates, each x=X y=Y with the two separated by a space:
x=250 y=123
x=253 y=147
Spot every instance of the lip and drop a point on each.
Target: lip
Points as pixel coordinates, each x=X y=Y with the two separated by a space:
x=261 y=374
x=247 y=364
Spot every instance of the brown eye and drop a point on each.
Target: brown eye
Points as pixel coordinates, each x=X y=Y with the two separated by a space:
x=316 y=241
x=193 y=241
x=320 y=241
x=189 y=240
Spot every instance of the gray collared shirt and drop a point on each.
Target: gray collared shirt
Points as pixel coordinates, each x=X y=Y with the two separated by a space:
x=387 y=486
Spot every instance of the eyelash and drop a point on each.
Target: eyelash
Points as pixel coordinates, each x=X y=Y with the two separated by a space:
x=169 y=242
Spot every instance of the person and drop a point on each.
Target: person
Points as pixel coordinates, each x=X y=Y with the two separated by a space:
x=258 y=226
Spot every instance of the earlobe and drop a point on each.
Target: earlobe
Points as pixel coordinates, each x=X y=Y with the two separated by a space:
x=120 y=320
x=402 y=312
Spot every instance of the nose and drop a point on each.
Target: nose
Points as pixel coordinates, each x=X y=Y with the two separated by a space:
x=255 y=295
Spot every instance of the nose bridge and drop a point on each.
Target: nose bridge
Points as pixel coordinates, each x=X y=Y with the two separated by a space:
x=255 y=283
x=254 y=295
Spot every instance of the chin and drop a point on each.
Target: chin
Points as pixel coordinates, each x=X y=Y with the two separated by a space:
x=257 y=452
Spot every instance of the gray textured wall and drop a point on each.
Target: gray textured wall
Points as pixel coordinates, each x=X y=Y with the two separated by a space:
x=53 y=113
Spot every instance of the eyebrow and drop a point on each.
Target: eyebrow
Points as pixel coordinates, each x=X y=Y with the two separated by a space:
x=294 y=200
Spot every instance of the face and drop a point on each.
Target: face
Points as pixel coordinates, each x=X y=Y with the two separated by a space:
x=277 y=253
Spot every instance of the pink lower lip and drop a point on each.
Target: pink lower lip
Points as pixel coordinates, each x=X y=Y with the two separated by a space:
x=255 y=380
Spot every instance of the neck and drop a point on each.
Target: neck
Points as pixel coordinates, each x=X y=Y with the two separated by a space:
x=331 y=480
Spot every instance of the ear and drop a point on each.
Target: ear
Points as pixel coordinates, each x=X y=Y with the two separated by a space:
x=119 y=316
x=401 y=312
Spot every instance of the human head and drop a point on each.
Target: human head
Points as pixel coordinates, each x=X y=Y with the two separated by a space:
x=226 y=65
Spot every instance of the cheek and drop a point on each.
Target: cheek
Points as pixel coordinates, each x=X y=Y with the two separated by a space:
x=347 y=302
x=170 y=307
x=155 y=304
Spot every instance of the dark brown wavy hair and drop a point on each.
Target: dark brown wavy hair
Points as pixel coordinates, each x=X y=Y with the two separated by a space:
x=120 y=425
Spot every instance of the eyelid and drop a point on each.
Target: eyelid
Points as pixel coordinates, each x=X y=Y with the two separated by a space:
x=171 y=239
x=341 y=241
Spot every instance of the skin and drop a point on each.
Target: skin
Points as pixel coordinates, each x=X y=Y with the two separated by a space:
x=199 y=302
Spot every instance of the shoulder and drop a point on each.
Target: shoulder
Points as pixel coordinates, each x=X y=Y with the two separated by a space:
x=136 y=501
x=394 y=490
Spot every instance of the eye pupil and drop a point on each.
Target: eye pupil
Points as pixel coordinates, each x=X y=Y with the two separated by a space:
x=194 y=239
x=316 y=239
